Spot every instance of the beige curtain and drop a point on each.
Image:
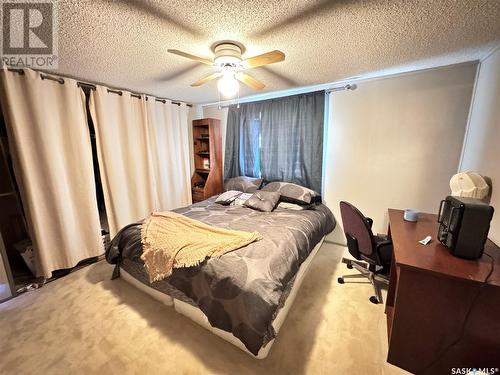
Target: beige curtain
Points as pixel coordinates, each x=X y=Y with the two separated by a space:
x=50 y=143
x=122 y=147
x=169 y=153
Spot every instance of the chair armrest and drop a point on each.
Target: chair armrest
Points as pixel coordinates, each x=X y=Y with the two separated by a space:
x=380 y=245
x=369 y=221
x=383 y=243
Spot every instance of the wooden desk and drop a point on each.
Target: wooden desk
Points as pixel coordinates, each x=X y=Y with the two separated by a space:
x=430 y=294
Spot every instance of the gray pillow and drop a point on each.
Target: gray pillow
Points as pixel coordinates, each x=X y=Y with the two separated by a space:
x=263 y=200
x=228 y=197
x=243 y=183
x=293 y=193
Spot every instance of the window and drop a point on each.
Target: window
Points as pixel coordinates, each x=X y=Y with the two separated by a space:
x=250 y=145
x=278 y=140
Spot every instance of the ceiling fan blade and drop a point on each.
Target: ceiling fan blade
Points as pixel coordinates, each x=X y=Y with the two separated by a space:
x=206 y=79
x=250 y=81
x=264 y=59
x=192 y=57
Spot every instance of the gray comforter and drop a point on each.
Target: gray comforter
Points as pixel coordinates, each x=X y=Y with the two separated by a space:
x=241 y=291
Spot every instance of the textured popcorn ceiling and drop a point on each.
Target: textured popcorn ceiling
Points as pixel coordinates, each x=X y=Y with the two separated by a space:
x=123 y=43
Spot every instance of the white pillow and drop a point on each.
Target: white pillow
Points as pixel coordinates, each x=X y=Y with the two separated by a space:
x=228 y=197
x=290 y=206
x=242 y=199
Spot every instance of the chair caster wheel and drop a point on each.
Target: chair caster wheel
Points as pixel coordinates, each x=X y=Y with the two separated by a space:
x=374 y=300
x=340 y=280
x=349 y=266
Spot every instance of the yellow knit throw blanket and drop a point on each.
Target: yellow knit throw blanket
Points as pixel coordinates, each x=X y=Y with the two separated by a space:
x=171 y=240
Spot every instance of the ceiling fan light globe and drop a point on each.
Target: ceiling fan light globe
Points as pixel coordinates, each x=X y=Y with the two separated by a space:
x=228 y=86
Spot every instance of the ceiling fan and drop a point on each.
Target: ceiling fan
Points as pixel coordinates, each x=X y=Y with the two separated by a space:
x=228 y=60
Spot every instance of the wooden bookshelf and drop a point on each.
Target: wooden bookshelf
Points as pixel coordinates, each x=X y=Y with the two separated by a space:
x=207 y=153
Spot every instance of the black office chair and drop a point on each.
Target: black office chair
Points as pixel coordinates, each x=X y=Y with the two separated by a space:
x=373 y=253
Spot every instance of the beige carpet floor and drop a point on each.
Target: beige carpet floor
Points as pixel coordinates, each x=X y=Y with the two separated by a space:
x=85 y=323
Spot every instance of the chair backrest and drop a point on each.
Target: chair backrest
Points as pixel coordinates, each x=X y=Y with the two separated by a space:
x=356 y=227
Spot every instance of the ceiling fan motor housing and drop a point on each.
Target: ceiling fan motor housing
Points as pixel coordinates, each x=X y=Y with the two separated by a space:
x=227 y=58
x=227 y=55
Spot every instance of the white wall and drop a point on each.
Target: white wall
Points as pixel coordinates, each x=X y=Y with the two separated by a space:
x=482 y=144
x=395 y=142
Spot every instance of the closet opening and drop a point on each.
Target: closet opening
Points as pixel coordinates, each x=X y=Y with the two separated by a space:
x=17 y=250
x=97 y=175
x=13 y=228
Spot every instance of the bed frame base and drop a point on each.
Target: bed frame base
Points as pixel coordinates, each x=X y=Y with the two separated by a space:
x=199 y=317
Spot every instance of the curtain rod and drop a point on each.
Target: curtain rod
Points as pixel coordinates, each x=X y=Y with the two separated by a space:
x=327 y=91
x=341 y=88
x=139 y=96
x=92 y=86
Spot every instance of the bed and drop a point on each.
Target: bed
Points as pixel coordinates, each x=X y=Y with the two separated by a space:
x=242 y=296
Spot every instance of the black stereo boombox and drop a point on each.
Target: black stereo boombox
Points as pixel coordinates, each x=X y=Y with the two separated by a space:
x=463 y=226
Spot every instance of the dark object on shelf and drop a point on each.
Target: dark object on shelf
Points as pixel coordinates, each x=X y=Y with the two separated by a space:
x=464 y=224
x=206 y=182
x=25 y=249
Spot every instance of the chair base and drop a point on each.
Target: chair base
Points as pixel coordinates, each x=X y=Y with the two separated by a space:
x=365 y=271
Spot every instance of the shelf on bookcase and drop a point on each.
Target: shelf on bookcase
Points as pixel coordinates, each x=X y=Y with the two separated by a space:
x=207 y=151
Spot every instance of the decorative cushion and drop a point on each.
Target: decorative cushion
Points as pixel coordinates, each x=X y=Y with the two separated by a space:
x=243 y=183
x=228 y=197
x=293 y=193
x=240 y=200
x=263 y=200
